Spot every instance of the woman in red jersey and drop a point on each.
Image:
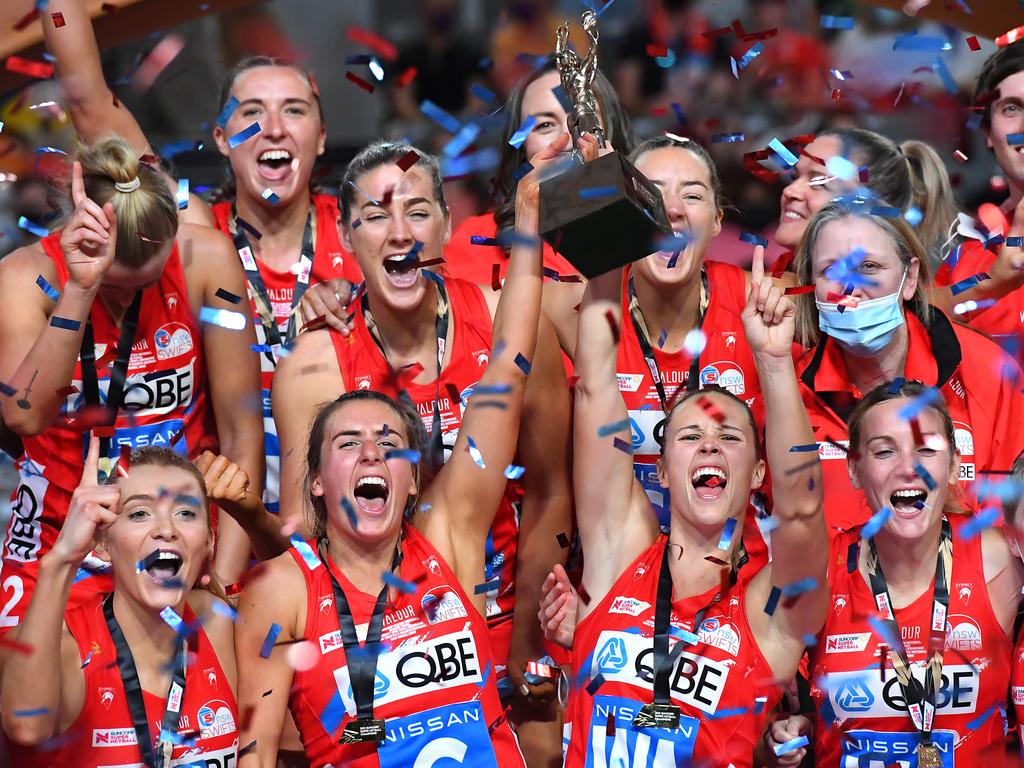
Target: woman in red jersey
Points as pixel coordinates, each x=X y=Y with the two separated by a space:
x=115 y=322
x=146 y=674
x=666 y=612
x=914 y=658
x=393 y=553
x=538 y=97
x=867 y=322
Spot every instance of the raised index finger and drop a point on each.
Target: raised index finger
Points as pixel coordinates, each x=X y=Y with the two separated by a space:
x=757 y=268
x=77 y=184
x=91 y=471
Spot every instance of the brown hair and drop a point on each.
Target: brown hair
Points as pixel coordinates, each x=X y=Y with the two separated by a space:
x=714 y=389
x=411 y=421
x=691 y=146
x=147 y=216
x=900 y=233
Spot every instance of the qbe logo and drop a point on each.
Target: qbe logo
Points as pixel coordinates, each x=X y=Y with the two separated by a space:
x=865 y=695
x=612 y=656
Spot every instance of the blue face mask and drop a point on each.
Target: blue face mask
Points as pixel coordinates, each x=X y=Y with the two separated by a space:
x=863 y=331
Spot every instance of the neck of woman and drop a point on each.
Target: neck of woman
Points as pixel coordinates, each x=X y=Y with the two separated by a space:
x=670 y=308
x=408 y=335
x=689 y=545
x=363 y=564
x=150 y=638
x=281 y=228
x=908 y=564
x=891 y=363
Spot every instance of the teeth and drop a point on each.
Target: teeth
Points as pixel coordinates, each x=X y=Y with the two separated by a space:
x=908 y=493
x=168 y=556
x=398 y=259
x=791 y=216
x=276 y=154
x=707 y=472
x=372 y=481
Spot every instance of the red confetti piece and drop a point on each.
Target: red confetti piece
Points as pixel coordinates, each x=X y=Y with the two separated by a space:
x=973 y=44
x=359 y=81
x=837 y=94
x=960 y=156
x=373 y=41
x=843 y=299
x=1011 y=36
x=408 y=160
x=22 y=648
x=317 y=323
x=386 y=200
x=609 y=726
x=720 y=32
x=406 y=77
x=782 y=263
x=797 y=290
x=108 y=8
x=656 y=50
x=27 y=19
x=453 y=392
x=711 y=409
x=717 y=561
x=612 y=325
x=495 y=277
x=156 y=62
x=58 y=19
x=659 y=111
x=37 y=69
x=68 y=390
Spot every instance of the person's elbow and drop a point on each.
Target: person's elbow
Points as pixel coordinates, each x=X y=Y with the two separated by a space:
x=27 y=731
x=24 y=422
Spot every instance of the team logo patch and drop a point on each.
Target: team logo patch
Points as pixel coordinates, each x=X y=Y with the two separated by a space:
x=852 y=642
x=833 y=449
x=211 y=676
x=172 y=340
x=330 y=642
x=964 y=438
x=712 y=632
x=1017 y=692
x=442 y=604
x=106 y=697
x=629 y=606
x=729 y=337
x=482 y=357
x=964 y=591
x=963 y=633
x=362 y=382
x=215 y=719
x=725 y=374
x=113 y=737
x=629 y=382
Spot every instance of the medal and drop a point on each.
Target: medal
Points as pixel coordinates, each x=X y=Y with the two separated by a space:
x=928 y=756
x=657 y=716
x=164 y=750
x=364 y=729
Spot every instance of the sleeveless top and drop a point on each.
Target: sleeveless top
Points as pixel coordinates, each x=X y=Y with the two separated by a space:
x=363 y=366
x=859 y=712
x=104 y=734
x=435 y=687
x=330 y=261
x=716 y=683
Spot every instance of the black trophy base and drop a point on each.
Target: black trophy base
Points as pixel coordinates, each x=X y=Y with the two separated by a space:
x=602 y=215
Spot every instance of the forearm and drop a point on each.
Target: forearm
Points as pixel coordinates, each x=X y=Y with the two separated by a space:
x=597 y=343
x=33 y=681
x=233 y=545
x=518 y=312
x=263 y=531
x=49 y=365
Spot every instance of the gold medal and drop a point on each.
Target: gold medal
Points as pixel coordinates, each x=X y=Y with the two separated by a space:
x=928 y=756
x=164 y=749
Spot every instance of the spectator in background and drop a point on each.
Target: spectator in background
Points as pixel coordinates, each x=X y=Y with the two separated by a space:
x=447 y=63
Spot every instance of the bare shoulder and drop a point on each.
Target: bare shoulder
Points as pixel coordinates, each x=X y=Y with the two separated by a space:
x=312 y=353
x=213 y=246
x=29 y=259
x=276 y=590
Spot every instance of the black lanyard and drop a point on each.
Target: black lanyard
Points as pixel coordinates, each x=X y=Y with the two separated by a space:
x=362 y=659
x=119 y=372
x=264 y=308
x=693 y=380
x=662 y=713
x=441 y=326
x=920 y=701
x=133 y=693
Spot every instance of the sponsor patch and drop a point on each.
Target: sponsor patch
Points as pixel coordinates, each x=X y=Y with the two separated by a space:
x=628 y=605
x=852 y=642
x=442 y=604
x=725 y=374
x=172 y=340
x=629 y=382
x=113 y=737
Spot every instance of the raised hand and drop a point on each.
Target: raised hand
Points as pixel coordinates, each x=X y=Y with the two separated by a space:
x=90 y=237
x=769 y=318
x=528 y=188
x=227 y=485
x=325 y=304
x=93 y=507
x=559 y=605
x=780 y=732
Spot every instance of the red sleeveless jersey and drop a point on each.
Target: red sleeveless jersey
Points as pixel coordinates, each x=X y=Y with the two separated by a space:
x=475 y=263
x=435 y=686
x=976 y=378
x=715 y=683
x=165 y=394
x=330 y=261
x=862 y=719
x=104 y=735
x=363 y=366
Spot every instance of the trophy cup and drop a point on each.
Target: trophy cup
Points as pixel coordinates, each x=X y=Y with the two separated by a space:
x=603 y=214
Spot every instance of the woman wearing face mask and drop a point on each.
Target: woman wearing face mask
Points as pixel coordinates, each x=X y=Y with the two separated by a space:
x=867 y=322
x=914 y=658
x=147 y=672
x=533 y=97
x=296 y=268
x=105 y=326
x=426 y=336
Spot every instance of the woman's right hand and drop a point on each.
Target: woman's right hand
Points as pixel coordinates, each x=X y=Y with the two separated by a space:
x=93 y=507
x=781 y=731
x=559 y=605
x=528 y=188
x=90 y=237
x=227 y=486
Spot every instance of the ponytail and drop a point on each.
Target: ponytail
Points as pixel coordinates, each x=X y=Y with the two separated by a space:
x=933 y=195
x=147 y=213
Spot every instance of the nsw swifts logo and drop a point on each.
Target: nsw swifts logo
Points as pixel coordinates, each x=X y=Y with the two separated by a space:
x=725 y=374
x=172 y=340
x=106 y=697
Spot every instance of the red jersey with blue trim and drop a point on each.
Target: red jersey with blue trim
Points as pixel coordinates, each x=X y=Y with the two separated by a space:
x=104 y=734
x=363 y=366
x=475 y=263
x=435 y=686
x=862 y=717
x=330 y=261
x=715 y=683
x=979 y=381
x=165 y=401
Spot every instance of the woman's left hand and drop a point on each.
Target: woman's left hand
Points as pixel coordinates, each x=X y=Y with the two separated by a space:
x=769 y=318
x=325 y=304
x=227 y=486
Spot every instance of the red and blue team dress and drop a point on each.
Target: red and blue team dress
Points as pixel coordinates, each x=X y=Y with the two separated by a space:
x=435 y=686
x=363 y=366
x=103 y=734
x=331 y=261
x=862 y=719
x=980 y=384
x=726 y=361
x=166 y=404
x=716 y=683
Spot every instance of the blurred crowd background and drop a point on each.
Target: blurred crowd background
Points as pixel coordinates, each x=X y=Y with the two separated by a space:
x=671 y=62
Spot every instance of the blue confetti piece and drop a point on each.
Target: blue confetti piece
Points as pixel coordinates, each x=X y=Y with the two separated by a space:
x=48 y=289
x=270 y=196
x=594 y=684
x=975 y=724
x=484 y=94
x=460 y=141
x=522 y=363
x=667 y=61
x=333 y=713
x=487 y=586
x=915 y=42
x=750 y=237
x=413 y=457
x=31 y=712
x=966 y=283
x=799 y=587
x=474 y=452
x=305 y=551
x=986 y=518
x=243 y=135
x=493 y=389
x=783 y=152
x=886 y=211
x=225 y=114
x=810 y=640
x=32 y=228
x=261 y=348
x=925 y=475
x=590 y=193
x=610 y=429
x=522 y=170
x=523 y=131
x=182 y=195
x=810 y=447
x=789 y=746
x=940 y=68
x=269 y=640
x=514 y=472
x=773 y=601
x=684 y=635
x=913 y=216
x=836 y=22
x=725 y=540
x=401 y=585
x=484 y=160
x=734 y=712
x=350 y=511
x=874 y=525
x=919 y=403
x=172 y=619
x=65 y=323
x=1014 y=139
x=751 y=54
x=727 y=138
x=223 y=609
x=662 y=338
x=883 y=630
x=439 y=116
x=224 y=318
x=680 y=115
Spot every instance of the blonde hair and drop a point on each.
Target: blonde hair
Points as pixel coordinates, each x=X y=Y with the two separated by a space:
x=903 y=238
x=147 y=215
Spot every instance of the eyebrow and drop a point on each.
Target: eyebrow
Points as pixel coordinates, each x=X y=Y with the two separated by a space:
x=359 y=433
x=552 y=115
x=289 y=100
x=406 y=204
x=730 y=427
